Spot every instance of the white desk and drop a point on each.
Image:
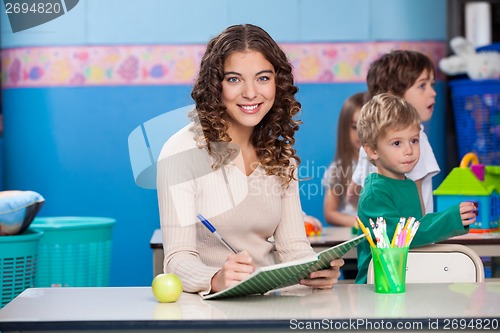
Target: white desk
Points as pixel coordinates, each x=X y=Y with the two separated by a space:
x=128 y=309
x=487 y=244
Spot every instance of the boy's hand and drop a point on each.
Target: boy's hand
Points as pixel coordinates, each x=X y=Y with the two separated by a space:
x=468 y=212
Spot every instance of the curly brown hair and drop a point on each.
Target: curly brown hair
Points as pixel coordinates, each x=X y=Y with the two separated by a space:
x=273 y=138
x=395 y=72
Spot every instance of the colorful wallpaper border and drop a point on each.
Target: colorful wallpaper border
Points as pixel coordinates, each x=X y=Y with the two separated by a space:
x=178 y=64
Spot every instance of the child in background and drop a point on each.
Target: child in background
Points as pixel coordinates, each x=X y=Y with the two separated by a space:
x=337 y=210
x=389 y=131
x=410 y=75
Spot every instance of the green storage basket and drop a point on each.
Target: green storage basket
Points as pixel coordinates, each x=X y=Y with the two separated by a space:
x=18 y=262
x=74 y=251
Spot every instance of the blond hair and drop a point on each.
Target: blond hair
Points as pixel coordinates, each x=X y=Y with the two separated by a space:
x=382 y=113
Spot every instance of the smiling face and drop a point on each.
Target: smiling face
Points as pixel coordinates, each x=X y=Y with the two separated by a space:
x=422 y=95
x=248 y=90
x=397 y=152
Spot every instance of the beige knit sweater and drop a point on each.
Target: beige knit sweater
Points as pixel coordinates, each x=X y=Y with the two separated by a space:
x=246 y=211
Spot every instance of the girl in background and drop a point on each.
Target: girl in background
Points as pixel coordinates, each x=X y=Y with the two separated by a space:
x=337 y=210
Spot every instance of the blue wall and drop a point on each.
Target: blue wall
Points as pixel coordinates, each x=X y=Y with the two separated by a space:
x=70 y=144
x=94 y=22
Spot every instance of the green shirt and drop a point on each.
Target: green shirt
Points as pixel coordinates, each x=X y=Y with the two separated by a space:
x=391 y=199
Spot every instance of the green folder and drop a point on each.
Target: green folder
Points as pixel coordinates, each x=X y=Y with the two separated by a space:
x=286 y=274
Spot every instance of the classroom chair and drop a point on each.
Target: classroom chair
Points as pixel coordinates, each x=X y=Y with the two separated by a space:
x=440 y=263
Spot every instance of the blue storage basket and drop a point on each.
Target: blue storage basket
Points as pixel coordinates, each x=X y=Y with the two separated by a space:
x=74 y=251
x=491 y=47
x=18 y=262
x=476 y=107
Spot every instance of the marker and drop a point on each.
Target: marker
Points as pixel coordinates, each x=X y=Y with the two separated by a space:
x=214 y=232
x=366 y=232
x=413 y=231
x=398 y=231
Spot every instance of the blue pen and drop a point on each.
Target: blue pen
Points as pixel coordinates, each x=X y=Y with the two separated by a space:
x=213 y=231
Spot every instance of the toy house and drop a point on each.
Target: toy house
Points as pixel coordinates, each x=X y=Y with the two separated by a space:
x=477 y=183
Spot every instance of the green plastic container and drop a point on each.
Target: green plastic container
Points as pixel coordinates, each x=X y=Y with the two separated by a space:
x=18 y=263
x=389 y=267
x=75 y=251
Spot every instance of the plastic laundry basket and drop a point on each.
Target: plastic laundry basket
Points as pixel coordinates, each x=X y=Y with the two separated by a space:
x=18 y=262
x=74 y=251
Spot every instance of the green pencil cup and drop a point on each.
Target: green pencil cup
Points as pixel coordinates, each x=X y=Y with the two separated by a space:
x=389 y=268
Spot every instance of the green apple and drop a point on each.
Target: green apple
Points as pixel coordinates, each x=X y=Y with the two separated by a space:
x=167 y=288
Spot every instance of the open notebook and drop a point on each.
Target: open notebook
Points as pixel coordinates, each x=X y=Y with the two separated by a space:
x=286 y=274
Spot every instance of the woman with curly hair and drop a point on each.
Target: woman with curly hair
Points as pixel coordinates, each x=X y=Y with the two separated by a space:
x=235 y=164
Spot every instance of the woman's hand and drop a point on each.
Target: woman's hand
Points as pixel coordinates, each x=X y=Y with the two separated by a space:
x=236 y=268
x=326 y=278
